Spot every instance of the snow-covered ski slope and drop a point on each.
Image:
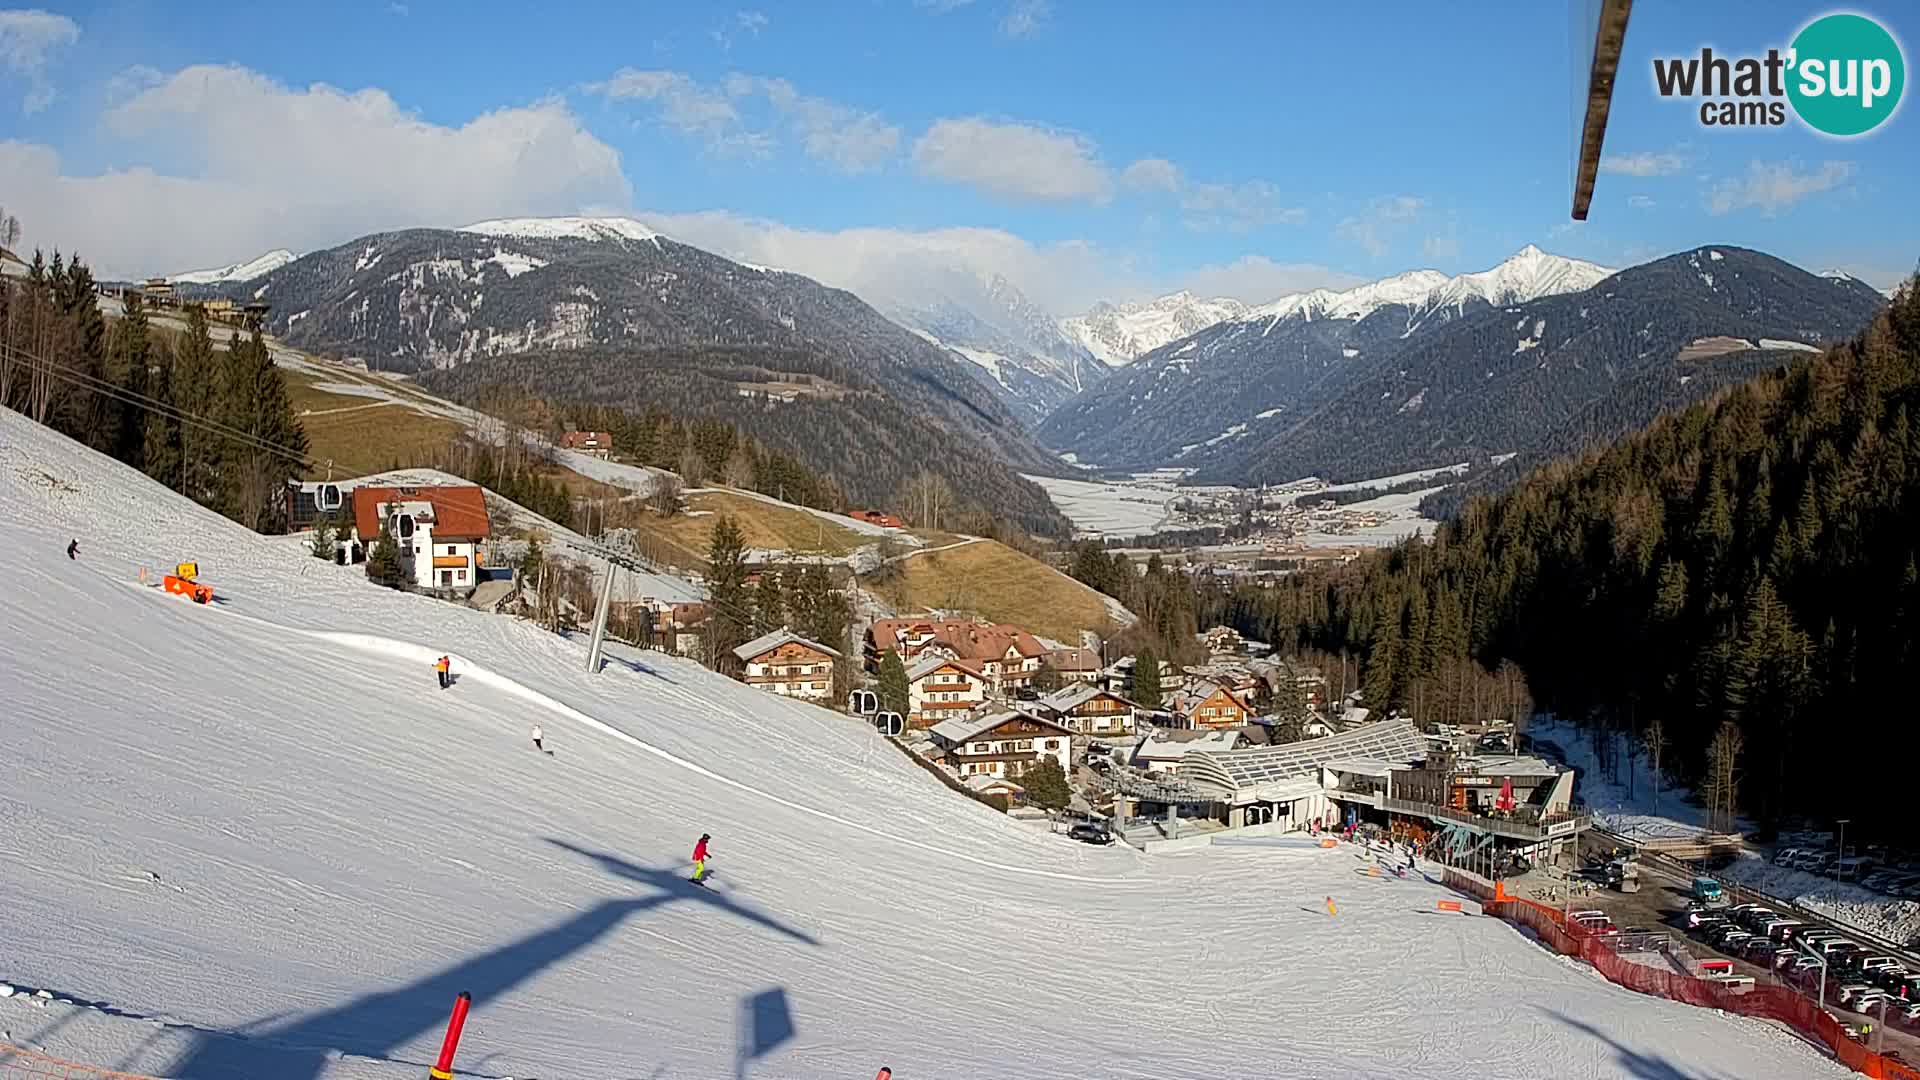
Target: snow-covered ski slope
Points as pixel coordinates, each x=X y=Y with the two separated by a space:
x=340 y=847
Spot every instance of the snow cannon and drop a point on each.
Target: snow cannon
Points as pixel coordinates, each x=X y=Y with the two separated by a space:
x=186 y=586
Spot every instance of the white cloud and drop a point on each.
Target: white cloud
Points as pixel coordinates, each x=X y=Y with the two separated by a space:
x=28 y=38
x=1153 y=174
x=846 y=138
x=264 y=166
x=1775 y=186
x=1236 y=207
x=1644 y=163
x=684 y=104
x=1026 y=17
x=752 y=21
x=896 y=266
x=1375 y=228
x=900 y=267
x=1640 y=202
x=1256 y=279
x=1013 y=161
x=133 y=80
x=1565 y=228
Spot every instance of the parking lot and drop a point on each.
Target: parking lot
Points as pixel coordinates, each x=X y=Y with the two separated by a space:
x=1661 y=905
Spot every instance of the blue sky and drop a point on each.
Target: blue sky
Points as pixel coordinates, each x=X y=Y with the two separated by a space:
x=1084 y=149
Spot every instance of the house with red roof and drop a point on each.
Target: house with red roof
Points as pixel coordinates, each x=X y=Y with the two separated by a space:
x=439 y=530
x=1006 y=655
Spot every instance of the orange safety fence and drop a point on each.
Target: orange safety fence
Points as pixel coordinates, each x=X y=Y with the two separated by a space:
x=1771 y=1002
x=18 y=1063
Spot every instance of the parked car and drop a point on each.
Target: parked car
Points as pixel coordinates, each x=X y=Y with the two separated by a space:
x=1758 y=949
x=1785 y=856
x=1089 y=833
x=1874 y=963
x=1893 y=979
x=1850 y=992
x=1909 y=1009
x=1782 y=929
x=1869 y=1002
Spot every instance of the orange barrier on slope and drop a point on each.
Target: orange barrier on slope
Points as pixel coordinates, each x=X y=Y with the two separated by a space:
x=1449 y=905
x=183 y=587
x=1329 y=843
x=1773 y=1002
x=19 y=1064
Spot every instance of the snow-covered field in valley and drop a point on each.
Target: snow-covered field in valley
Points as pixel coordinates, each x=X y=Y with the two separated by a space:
x=261 y=834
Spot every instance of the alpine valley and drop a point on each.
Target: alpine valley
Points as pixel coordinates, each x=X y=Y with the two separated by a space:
x=1539 y=354
x=607 y=311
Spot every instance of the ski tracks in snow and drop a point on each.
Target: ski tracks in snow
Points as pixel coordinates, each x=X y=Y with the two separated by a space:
x=468 y=669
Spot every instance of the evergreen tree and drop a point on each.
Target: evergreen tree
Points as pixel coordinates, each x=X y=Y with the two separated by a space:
x=892 y=688
x=195 y=388
x=769 y=603
x=322 y=543
x=160 y=448
x=133 y=356
x=527 y=573
x=384 y=566
x=1146 y=680
x=254 y=402
x=730 y=615
x=1045 y=785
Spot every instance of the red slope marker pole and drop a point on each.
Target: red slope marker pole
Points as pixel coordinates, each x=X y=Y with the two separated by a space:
x=443 y=1070
x=885 y=1074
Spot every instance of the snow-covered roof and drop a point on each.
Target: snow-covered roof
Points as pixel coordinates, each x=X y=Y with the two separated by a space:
x=774 y=640
x=1159 y=749
x=961 y=728
x=984 y=783
x=1069 y=697
x=1512 y=765
x=1235 y=770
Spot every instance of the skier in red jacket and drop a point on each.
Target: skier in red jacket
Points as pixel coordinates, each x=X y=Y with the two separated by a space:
x=700 y=858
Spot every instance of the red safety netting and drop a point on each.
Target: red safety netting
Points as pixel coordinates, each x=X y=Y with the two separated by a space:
x=1770 y=1002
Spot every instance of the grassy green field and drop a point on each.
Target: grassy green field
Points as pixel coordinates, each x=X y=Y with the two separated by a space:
x=1001 y=584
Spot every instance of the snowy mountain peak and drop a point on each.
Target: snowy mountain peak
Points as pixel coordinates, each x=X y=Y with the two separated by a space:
x=1527 y=274
x=1118 y=334
x=1358 y=302
x=566 y=228
x=246 y=271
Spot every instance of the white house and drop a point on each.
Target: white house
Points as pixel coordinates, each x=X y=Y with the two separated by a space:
x=1002 y=744
x=439 y=530
x=939 y=687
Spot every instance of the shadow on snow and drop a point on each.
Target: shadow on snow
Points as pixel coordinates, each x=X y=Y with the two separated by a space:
x=375 y=1025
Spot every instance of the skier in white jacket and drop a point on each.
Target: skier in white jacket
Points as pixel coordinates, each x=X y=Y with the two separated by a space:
x=537 y=736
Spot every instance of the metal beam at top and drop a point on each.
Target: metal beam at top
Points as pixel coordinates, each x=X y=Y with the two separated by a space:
x=1610 y=37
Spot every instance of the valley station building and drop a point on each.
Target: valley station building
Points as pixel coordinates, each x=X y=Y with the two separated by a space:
x=1381 y=773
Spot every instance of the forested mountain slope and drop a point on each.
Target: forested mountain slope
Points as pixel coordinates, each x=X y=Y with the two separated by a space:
x=1747 y=560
